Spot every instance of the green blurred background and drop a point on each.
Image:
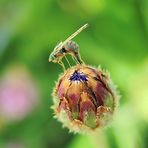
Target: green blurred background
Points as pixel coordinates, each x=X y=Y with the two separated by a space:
x=117 y=39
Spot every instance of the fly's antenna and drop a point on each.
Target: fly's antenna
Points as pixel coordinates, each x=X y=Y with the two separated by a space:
x=76 y=33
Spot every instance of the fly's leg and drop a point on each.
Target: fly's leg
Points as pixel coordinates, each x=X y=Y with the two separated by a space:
x=68 y=61
x=75 y=60
x=62 y=64
x=78 y=58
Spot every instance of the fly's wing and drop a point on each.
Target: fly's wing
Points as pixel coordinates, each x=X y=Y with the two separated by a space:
x=61 y=44
x=75 y=33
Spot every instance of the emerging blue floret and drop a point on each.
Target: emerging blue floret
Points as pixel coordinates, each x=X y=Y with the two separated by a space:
x=76 y=76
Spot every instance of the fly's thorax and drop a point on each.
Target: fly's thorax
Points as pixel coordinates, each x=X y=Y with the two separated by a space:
x=72 y=47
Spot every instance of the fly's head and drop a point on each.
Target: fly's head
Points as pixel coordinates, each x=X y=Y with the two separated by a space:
x=57 y=54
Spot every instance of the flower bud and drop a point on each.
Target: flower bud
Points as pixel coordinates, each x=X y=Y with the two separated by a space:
x=84 y=98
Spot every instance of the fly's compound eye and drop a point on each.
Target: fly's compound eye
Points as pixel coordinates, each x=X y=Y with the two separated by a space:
x=63 y=50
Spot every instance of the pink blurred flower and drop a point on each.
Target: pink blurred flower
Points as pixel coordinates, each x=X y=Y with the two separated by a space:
x=18 y=94
x=14 y=145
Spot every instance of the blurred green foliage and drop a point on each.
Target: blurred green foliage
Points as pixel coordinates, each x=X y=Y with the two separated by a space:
x=117 y=39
